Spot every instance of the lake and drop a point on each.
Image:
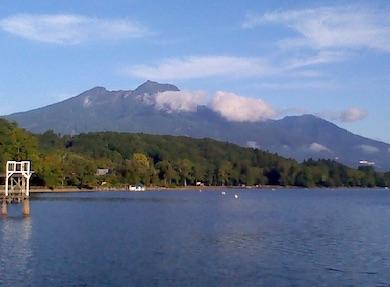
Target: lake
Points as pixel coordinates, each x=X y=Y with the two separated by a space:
x=317 y=237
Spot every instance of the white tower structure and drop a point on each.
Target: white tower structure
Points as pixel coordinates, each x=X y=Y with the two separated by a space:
x=18 y=176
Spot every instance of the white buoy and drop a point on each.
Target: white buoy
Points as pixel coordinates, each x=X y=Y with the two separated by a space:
x=223 y=193
x=236 y=196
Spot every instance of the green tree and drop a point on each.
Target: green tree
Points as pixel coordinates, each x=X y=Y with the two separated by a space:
x=140 y=169
x=304 y=178
x=225 y=170
x=184 y=168
x=79 y=171
x=166 y=172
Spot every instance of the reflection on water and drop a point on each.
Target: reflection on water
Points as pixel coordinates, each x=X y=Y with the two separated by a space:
x=15 y=249
x=264 y=238
x=110 y=199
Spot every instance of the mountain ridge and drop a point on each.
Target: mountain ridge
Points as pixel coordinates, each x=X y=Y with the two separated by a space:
x=299 y=137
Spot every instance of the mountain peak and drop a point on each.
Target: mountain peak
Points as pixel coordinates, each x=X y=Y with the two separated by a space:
x=302 y=117
x=94 y=91
x=97 y=89
x=150 y=87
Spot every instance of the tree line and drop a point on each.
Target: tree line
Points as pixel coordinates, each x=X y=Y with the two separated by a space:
x=166 y=161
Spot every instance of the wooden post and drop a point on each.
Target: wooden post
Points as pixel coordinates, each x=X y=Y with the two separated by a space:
x=6 y=183
x=28 y=185
x=26 y=207
x=4 y=210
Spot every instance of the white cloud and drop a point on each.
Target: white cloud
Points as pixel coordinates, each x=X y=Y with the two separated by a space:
x=69 y=29
x=368 y=148
x=331 y=27
x=296 y=85
x=232 y=107
x=321 y=57
x=352 y=114
x=178 y=101
x=193 y=67
x=316 y=147
x=202 y=67
x=241 y=109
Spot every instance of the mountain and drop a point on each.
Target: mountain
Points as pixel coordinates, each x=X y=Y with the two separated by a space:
x=299 y=137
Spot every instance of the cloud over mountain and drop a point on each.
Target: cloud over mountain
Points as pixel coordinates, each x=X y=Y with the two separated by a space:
x=237 y=108
x=241 y=109
x=179 y=101
x=351 y=114
x=69 y=29
x=231 y=106
x=369 y=149
x=316 y=147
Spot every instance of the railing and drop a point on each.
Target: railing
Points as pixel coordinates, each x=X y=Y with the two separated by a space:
x=17 y=186
x=20 y=170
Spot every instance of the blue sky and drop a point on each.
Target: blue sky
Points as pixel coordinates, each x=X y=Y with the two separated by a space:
x=330 y=58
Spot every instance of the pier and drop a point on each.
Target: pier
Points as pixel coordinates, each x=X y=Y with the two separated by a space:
x=17 y=186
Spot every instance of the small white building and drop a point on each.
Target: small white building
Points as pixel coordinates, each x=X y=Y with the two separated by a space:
x=366 y=162
x=138 y=187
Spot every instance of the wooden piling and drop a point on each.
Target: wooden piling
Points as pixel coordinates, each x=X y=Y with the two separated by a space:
x=4 y=210
x=26 y=207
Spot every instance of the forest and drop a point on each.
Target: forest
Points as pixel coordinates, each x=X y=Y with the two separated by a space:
x=166 y=161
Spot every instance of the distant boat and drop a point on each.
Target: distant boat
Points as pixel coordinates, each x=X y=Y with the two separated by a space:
x=138 y=187
x=236 y=196
x=223 y=193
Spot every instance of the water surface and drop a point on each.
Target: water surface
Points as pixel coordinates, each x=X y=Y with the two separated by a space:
x=189 y=238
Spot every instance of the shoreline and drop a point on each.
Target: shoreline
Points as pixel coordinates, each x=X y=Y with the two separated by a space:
x=187 y=188
x=150 y=189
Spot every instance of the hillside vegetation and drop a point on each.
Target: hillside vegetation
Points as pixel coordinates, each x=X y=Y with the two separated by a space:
x=166 y=161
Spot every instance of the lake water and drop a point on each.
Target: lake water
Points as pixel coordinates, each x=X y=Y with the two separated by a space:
x=190 y=238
